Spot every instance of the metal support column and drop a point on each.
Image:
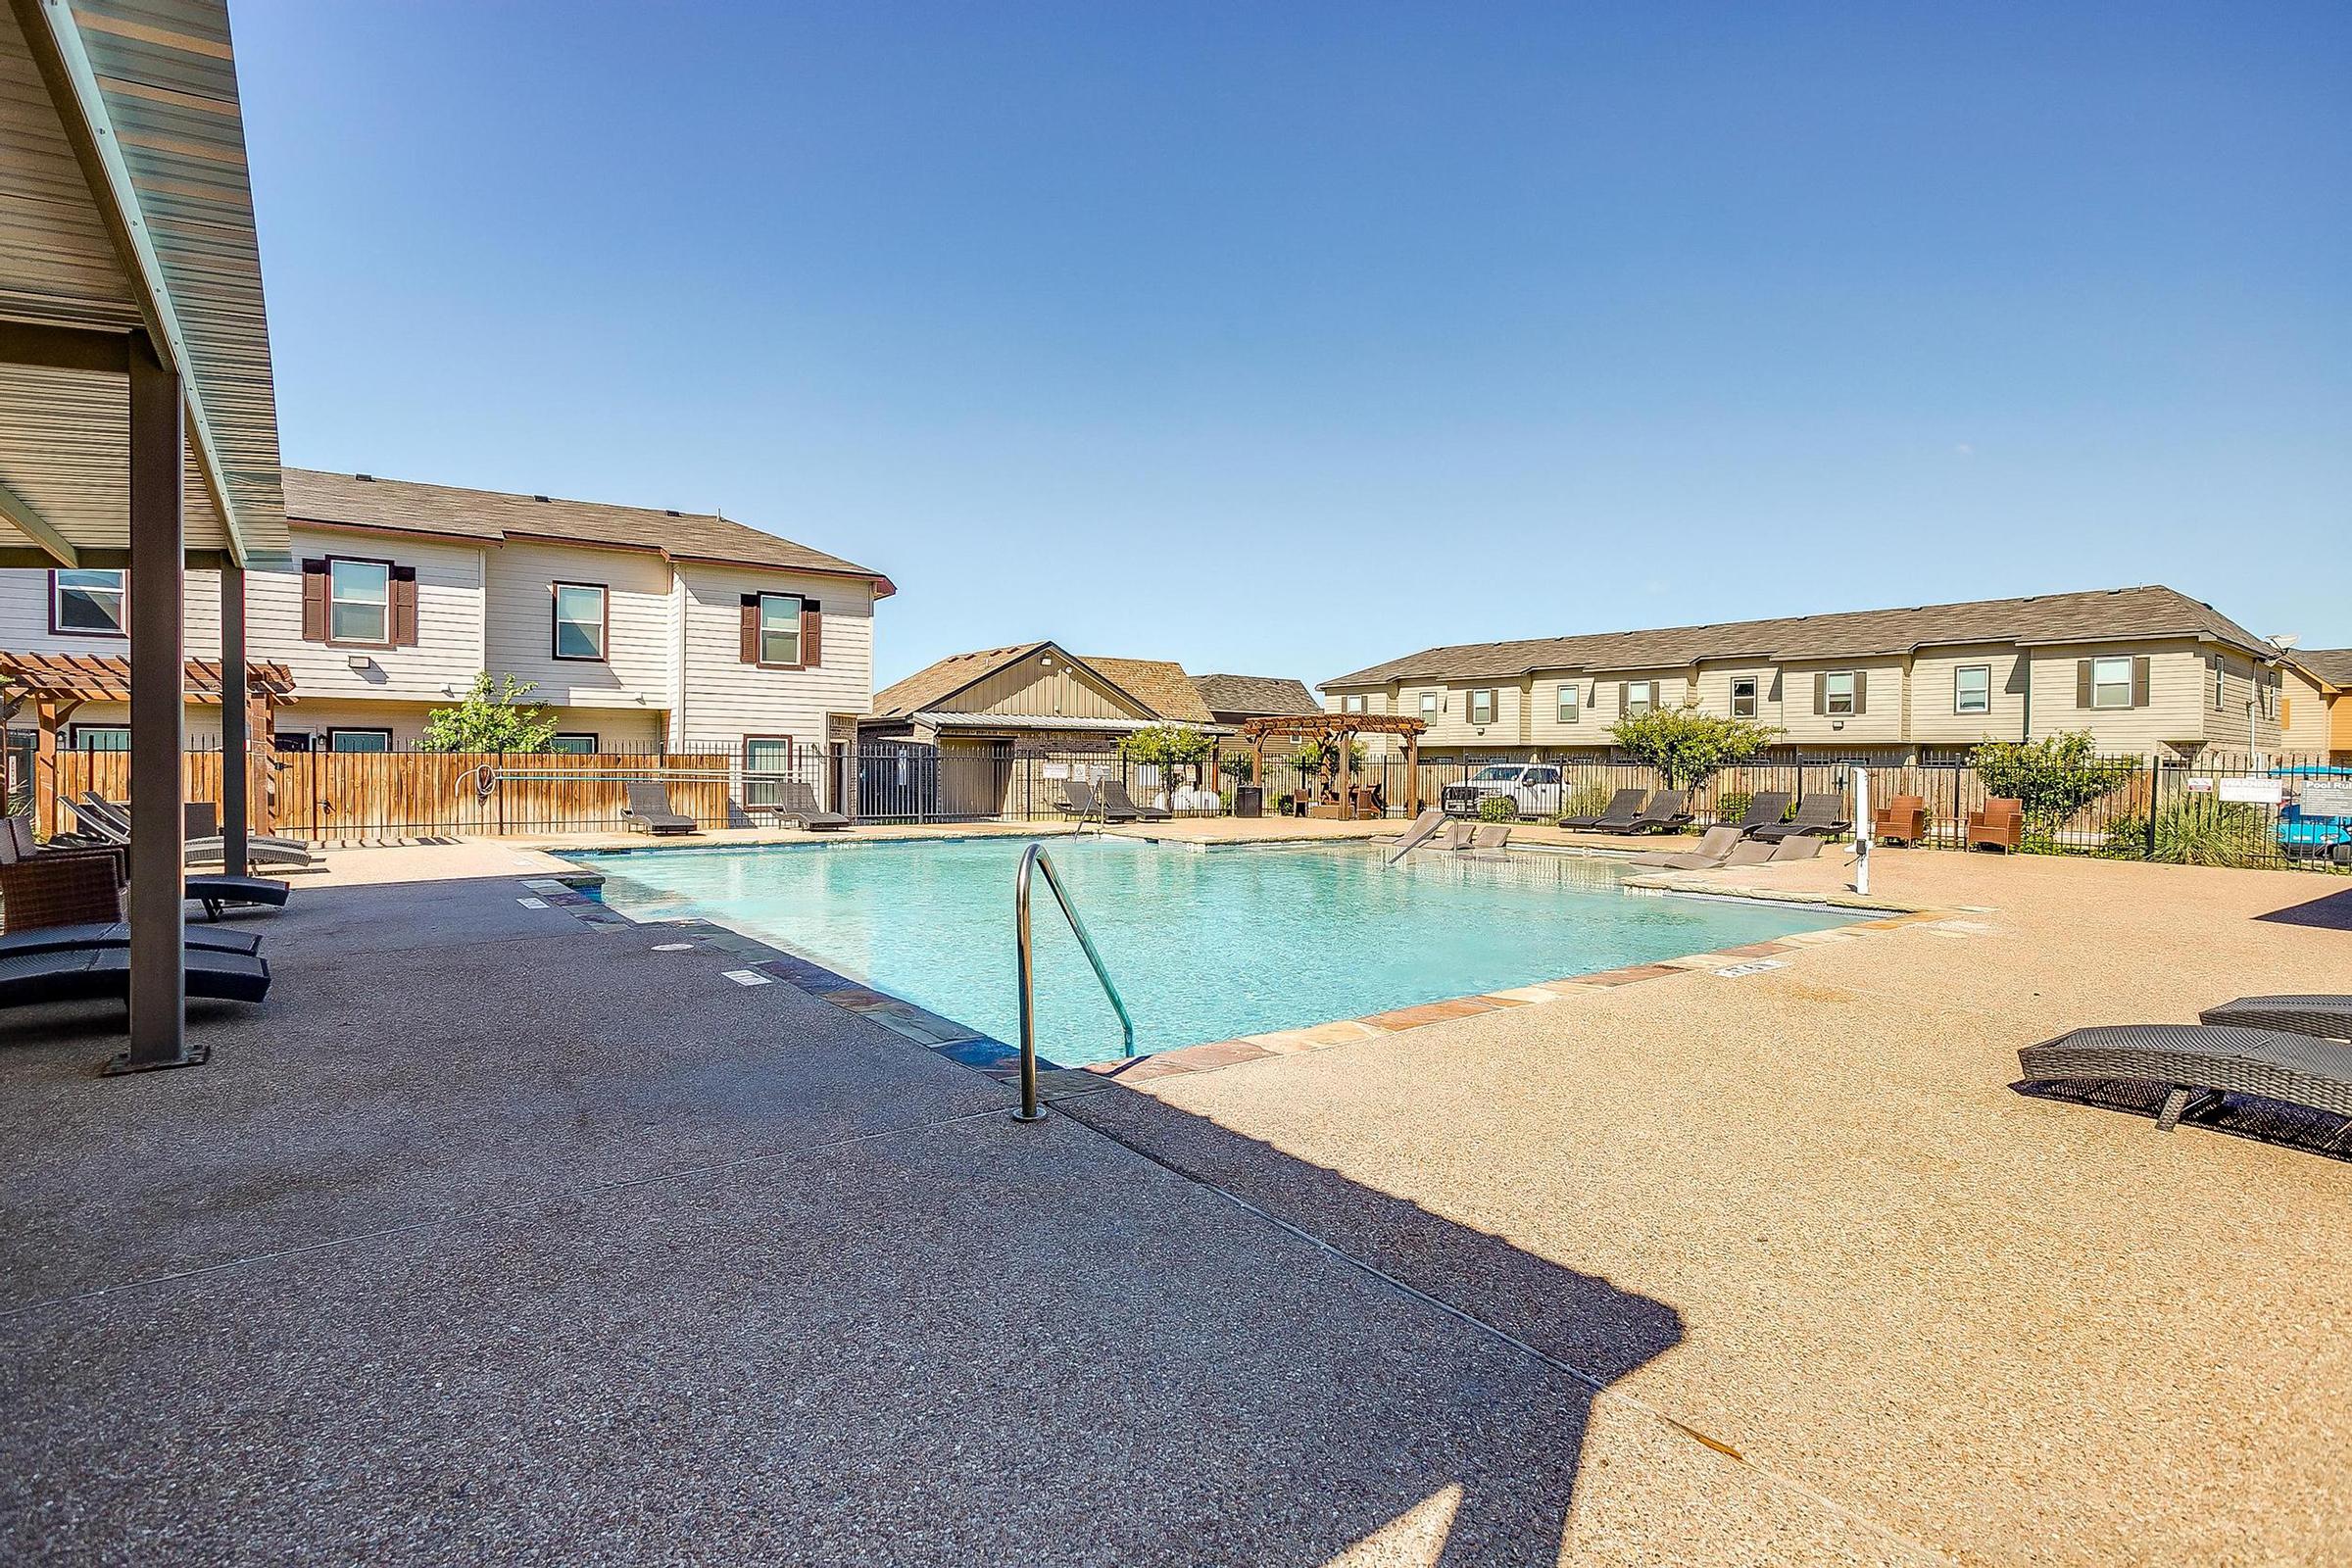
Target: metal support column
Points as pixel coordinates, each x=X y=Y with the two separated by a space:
x=236 y=761
x=157 y=672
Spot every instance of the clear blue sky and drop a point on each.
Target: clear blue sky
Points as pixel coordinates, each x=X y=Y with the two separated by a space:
x=1287 y=338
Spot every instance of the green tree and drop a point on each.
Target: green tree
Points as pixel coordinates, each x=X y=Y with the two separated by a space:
x=1166 y=747
x=490 y=720
x=2053 y=778
x=1689 y=746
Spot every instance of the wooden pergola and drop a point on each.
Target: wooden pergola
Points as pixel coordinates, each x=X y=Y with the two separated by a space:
x=53 y=686
x=1339 y=730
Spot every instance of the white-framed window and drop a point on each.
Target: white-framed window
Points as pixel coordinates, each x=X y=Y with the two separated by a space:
x=1641 y=695
x=1482 y=706
x=780 y=629
x=85 y=603
x=2219 y=681
x=359 y=601
x=1429 y=708
x=2111 y=683
x=580 y=620
x=101 y=738
x=1352 y=702
x=358 y=739
x=1971 y=689
x=1570 y=702
x=766 y=767
x=1838 y=692
x=1743 y=695
x=572 y=745
x=2269 y=687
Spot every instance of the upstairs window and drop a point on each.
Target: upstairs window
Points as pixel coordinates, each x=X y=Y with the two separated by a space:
x=1743 y=695
x=1429 y=707
x=779 y=630
x=1971 y=689
x=2219 y=681
x=1641 y=695
x=1838 y=692
x=2111 y=683
x=579 y=620
x=1352 y=704
x=359 y=600
x=1570 y=700
x=1482 y=706
x=86 y=604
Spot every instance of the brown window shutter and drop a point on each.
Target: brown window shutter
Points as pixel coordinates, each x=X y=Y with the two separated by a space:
x=2140 y=681
x=2082 y=683
x=813 y=634
x=1821 y=691
x=1621 y=697
x=751 y=628
x=313 y=601
x=404 y=606
x=1861 y=692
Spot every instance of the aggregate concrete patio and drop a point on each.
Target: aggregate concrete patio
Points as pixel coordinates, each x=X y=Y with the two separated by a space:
x=499 y=1236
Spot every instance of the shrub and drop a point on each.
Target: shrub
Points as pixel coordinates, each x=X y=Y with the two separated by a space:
x=490 y=720
x=1586 y=799
x=1731 y=805
x=2196 y=830
x=2054 y=777
x=1498 y=808
x=1687 y=744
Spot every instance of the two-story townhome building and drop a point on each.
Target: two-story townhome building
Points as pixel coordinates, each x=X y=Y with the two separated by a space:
x=642 y=629
x=2146 y=670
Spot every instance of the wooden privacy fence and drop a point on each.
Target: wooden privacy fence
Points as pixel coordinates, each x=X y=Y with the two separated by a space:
x=336 y=795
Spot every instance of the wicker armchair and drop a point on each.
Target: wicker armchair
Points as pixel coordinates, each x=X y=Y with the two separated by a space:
x=2001 y=824
x=1901 y=820
x=59 y=890
x=16 y=843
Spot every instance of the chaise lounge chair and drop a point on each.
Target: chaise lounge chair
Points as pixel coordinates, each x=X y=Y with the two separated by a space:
x=202 y=821
x=1490 y=836
x=1090 y=806
x=1764 y=810
x=2197 y=1063
x=1821 y=815
x=1664 y=813
x=1419 y=831
x=1623 y=810
x=1715 y=847
x=796 y=802
x=1757 y=851
x=74 y=974
x=648 y=811
x=2327 y=1018
x=117 y=934
x=1115 y=798
x=109 y=823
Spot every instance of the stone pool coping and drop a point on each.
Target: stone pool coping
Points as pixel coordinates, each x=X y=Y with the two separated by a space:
x=578 y=889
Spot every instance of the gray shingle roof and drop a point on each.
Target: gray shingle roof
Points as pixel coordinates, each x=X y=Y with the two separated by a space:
x=1255 y=695
x=2114 y=613
x=2331 y=665
x=493 y=517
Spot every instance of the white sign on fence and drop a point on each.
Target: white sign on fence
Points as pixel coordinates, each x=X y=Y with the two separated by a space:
x=2252 y=791
x=2327 y=797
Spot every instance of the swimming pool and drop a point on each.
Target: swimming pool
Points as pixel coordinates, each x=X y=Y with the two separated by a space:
x=1204 y=944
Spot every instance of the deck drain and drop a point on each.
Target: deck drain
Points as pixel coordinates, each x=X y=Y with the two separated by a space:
x=1752 y=966
x=747 y=977
x=532 y=903
x=674 y=947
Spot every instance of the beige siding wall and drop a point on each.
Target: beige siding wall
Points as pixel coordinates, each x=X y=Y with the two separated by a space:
x=724 y=699
x=1590 y=728
x=1713 y=685
x=2303 y=727
x=448 y=622
x=634 y=673
x=1936 y=719
x=1878 y=688
x=1038 y=689
x=1450 y=726
x=2168 y=726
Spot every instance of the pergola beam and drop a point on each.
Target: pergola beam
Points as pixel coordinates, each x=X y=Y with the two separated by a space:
x=64 y=348
x=54 y=42
x=40 y=529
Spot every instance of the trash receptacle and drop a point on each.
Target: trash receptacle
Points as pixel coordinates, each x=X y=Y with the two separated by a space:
x=1249 y=800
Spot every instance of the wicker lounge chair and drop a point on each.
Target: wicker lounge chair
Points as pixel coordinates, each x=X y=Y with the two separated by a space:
x=1765 y=808
x=109 y=823
x=1796 y=849
x=2000 y=823
x=1665 y=812
x=1091 y=806
x=1715 y=847
x=2327 y=1018
x=1749 y=852
x=1822 y=815
x=649 y=810
x=1901 y=820
x=201 y=821
x=2197 y=1063
x=1623 y=810
x=77 y=974
x=796 y=802
x=1115 y=797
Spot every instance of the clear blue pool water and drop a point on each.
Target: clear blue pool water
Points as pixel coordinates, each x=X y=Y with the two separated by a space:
x=1204 y=944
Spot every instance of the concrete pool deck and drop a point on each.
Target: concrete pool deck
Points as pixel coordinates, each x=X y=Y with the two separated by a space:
x=497 y=1235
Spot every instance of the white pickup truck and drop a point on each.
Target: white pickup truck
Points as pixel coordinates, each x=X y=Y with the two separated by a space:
x=1531 y=788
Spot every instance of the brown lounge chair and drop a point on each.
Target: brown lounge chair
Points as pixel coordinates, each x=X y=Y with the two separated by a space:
x=1664 y=813
x=1901 y=820
x=2001 y=824
x=796 y=802
x=1490 y=836
x=649 y=810
x=1757 y=852
x=1765 y=808
x=1822 y=815
x=1115 y=795
x=1715 y=847
x=1419 y=831
x=2329 y=1017
x=2197 y=1064
x=1623 y=810
x=1090 y=806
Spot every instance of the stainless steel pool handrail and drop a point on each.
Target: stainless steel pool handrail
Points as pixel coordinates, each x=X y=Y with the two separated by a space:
x=1035 y=857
